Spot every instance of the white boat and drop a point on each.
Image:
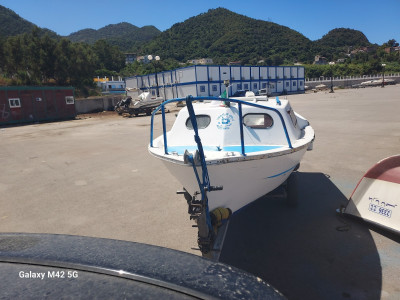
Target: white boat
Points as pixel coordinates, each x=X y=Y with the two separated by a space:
x=146 y=99
x=250 y=146
x=144 y=103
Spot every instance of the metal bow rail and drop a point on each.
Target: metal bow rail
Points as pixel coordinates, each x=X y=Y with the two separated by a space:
x=190 y=99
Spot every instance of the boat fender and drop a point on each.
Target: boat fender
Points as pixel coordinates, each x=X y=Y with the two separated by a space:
x=278 y=101
x=218 y=215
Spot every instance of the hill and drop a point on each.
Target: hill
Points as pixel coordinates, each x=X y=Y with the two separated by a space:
x=227 y=36
x=337 y=42
x=219 y=34
x=124 y=35
x=12 y=24
x=343 y=37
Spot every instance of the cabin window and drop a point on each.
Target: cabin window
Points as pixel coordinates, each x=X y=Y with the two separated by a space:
x=246 y=86
x=214 y=88
x=287 y=84
x=301 y=83
x=202 y=89
x=294 y=83
x=255 y=86
x=239 y=86
x=258 y=121
x=202 y=122
x=14 y=102
x=264 y=85
x=69 y=100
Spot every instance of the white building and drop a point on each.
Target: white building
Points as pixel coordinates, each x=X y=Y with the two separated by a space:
x=209 y=80
x=201 y=61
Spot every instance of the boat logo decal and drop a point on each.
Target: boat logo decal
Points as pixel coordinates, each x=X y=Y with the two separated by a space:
x=224 y=121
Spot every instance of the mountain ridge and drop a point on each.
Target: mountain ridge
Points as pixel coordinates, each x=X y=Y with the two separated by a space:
x=12 y=24
x=218 y=33
x=116 y=33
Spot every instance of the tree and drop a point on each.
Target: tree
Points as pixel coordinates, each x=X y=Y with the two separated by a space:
x=62 y=63
x=109 y=57
x=392 y=43
x=47 y=58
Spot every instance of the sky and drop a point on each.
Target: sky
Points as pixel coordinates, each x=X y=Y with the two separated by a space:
x=378 y=20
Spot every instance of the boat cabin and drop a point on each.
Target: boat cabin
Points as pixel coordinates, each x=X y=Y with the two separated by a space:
x=219 y=127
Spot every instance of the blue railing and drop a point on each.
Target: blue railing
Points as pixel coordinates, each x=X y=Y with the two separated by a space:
x=191 y=99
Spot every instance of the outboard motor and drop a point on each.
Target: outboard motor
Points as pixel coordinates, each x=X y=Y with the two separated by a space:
x=123 y=105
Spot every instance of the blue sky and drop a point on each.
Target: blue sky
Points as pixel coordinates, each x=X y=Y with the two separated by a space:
x=378 y=20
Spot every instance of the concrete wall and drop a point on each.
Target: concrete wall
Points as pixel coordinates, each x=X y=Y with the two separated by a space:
x=347 y=83
x=92 y=105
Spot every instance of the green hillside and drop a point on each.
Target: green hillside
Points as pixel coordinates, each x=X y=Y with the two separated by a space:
x=29 y=56
x=126 y=36
x=226 y=36
x=343 y=37
x=12 y=24
x=219 y=34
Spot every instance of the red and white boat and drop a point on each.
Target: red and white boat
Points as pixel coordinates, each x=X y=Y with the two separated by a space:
x=376 y=198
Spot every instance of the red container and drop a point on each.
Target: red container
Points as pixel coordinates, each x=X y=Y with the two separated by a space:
x=21 y=104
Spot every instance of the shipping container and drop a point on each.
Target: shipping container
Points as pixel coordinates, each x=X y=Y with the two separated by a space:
x=23 y=104
x=208 y=80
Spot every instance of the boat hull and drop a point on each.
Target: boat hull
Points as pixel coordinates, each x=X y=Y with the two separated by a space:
x=243 y=181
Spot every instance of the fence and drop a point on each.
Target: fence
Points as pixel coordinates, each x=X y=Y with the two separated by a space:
x=343 y=78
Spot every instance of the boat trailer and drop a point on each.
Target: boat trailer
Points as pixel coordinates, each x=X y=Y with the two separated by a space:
x=212 y=226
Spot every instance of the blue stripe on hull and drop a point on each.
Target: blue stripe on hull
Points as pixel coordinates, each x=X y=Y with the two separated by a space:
x=248 y=149
x=288 y=170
